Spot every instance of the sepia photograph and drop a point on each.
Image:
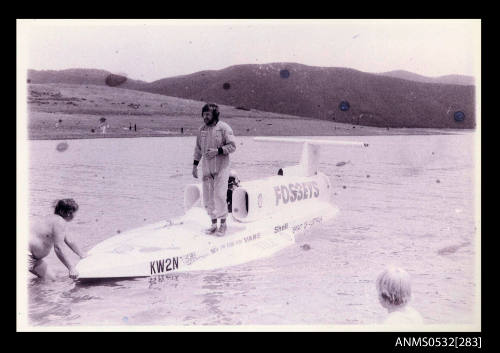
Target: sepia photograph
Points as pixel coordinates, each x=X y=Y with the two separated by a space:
x=248 y=175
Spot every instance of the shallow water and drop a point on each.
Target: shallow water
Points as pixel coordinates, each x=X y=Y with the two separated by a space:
x=406 y=201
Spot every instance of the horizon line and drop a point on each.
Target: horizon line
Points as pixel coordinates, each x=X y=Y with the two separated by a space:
x=117 y=72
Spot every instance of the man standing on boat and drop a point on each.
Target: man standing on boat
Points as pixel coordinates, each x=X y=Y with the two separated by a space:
x=214 y=143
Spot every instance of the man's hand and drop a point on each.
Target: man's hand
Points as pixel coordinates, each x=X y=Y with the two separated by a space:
x=73 y=273
x=211 y=153
x=195 y=171
x=83 y=255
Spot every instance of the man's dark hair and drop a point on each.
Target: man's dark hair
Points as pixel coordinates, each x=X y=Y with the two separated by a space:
x=214 y=108
x=66 y=207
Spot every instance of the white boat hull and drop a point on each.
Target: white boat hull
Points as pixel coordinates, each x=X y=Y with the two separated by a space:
x=181 y=245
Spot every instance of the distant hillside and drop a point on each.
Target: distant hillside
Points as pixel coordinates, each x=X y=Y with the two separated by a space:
x=447 y=79
x=84 y=77
x=318 y=92
x=295 y=89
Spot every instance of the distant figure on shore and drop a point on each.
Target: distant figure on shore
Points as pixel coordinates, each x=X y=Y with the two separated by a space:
x=130 y=127
x=214 y=143
x=51 y=231
x=394 y=294
x=103 y=125
x=135 y=127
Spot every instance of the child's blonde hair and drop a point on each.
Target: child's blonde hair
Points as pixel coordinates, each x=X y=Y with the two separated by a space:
x=394 y=287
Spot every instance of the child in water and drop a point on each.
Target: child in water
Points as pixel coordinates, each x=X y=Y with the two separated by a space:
x=394 y=291
x=51 y=231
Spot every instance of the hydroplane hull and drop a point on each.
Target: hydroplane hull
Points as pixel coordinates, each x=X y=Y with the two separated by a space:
x=181 y=245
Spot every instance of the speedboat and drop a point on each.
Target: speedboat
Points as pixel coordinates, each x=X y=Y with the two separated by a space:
x=266 y=216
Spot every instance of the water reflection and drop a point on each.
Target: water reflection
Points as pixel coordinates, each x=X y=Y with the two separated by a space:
x=162 y=282
x=105 y=282
x=222 y=298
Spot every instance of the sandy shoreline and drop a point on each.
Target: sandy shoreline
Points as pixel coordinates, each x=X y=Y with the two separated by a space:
x=84 y=127
x=359 y=132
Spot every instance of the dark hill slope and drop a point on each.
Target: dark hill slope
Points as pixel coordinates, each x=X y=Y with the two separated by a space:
x=317 y=92
x=308 y=91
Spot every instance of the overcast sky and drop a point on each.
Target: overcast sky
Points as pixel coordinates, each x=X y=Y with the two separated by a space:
x=153 y=49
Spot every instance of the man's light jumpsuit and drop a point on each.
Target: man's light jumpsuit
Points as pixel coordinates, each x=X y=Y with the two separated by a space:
x=215 y=171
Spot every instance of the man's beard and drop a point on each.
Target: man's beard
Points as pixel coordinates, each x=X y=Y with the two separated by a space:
x=209 y=121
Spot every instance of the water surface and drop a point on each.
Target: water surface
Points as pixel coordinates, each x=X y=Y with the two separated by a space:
x=406 y=201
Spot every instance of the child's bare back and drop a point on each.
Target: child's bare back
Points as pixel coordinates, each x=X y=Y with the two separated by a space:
x=51 y=232
x=42 y=235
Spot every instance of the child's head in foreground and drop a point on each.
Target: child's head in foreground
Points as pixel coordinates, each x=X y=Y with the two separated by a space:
x=66 y=208
x=394 y=288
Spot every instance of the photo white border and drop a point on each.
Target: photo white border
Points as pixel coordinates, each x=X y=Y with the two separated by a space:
x=24 y=26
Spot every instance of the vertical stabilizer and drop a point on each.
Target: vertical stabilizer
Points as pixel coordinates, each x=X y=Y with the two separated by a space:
x=309 y=161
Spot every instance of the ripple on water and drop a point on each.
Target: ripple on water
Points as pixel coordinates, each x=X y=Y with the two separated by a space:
x=451 y=249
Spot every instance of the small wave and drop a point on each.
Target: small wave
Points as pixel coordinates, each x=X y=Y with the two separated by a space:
x=340 y=164
x=175 y=175
x=447 y=250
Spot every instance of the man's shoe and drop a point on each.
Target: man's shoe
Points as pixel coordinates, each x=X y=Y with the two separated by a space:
x=222 y=230
x=212 y=229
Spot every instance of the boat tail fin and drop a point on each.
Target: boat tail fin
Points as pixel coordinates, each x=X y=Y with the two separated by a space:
x=309 y=161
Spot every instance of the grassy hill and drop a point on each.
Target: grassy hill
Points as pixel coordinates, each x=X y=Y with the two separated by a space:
x=85 y=77
x=65 y=111
x=447 y=79
x=317 y=92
